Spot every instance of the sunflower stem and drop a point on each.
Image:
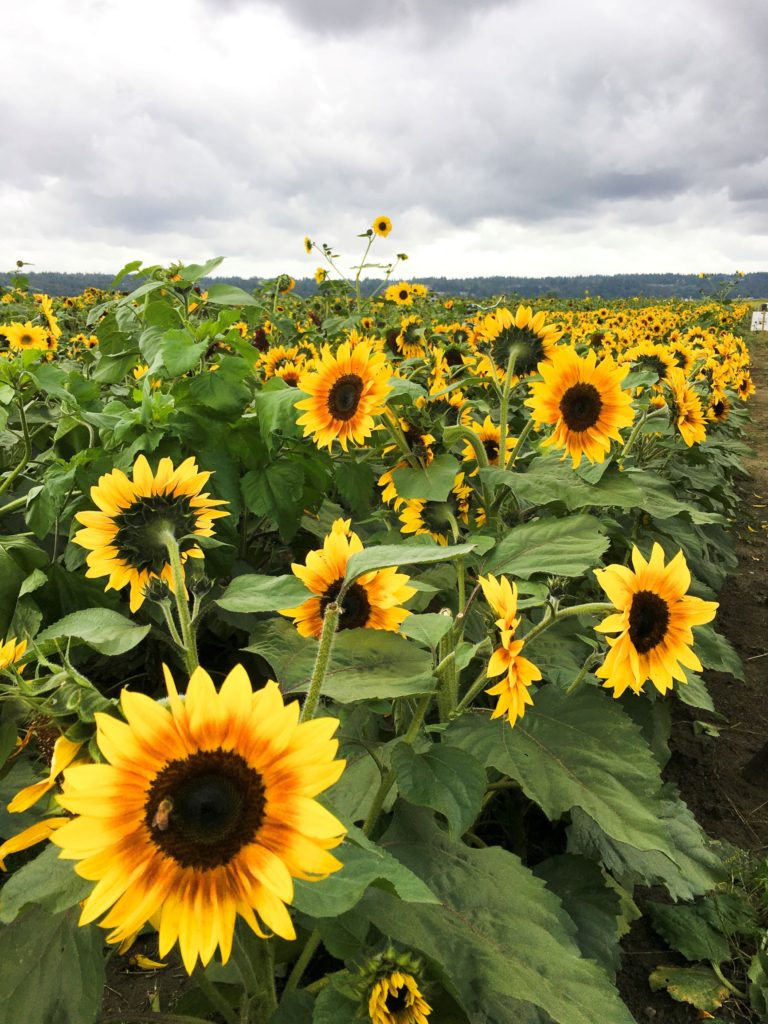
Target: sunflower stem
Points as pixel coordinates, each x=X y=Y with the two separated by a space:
x=257 y=973
x=26 y=454
x=479 y=684
x=165 y=607
x=330 y=621
x=13 y=506
x=504 y=407
x=302 y=962
x=214 y=997
x=447 y=694
x=588 y=663
x=360 y=270
x=596 y=608
x=388 y=778
x=188 y=640
x=520 y=442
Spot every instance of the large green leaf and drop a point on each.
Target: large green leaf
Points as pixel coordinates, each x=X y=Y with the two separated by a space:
x=365 y=663
x=593 y=906
x=385 y=555
x=697 y=985
x=52 y=971
x=572 y=751
x=230 y=295
x=562 y=547
x=105 y=631
x=344 y=889
x=253 y=593
x=445 y=778
x=717 y=652
x=276 y=492
x=687 y=867
x=551 y=481
x=431 y=484
x=47 y=881
x=276 y=412
x=498 y=936
x=687 y=930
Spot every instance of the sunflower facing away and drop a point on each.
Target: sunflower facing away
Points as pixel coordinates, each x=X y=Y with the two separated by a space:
x=584 y=399
x=372 y=602
x=506 y=660
x=346 y=391
x=205 y=810
x=524 y=331
x=125 y=534
x=687 y=413
x=654 y=620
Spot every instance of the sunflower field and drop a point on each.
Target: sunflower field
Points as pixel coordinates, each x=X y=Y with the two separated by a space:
x=340 y=637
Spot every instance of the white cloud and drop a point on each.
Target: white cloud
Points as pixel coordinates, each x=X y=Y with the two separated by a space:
x=508 y=136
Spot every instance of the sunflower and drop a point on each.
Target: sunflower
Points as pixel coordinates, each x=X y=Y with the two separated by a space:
x=654 y=620
x=525 y=332
x=489 y=434
x=25 y=336
x=11 y=651
x=687 y=413
x=320 y=275
x=382 y=226
x=205 y=810
x=401 y=293
x=307 y=244
x=346 y=392
x=719 y=407
x=46 y=303
x=125 y=536
x=372 y=602
x=506 y=660
x=584 y=399
x=397 y=999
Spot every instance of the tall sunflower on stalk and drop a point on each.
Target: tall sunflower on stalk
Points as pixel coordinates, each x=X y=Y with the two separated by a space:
x=506 y=660
x=126 y=537
x=654 y=620
x=204 y=811
x=374 y=601
x=687 y=413
x=584 y=400
x=346 y=392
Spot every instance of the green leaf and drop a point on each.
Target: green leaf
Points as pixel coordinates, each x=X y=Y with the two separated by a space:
x=758 y=987
x=717 y=652
x=276 y=492
x=498 y=937
x=593 y=906
x=383 y=556
x=11 y=580
x=334 y=1006
x=276 y=410
x=686 y=930
x=431 y=484
x=550 y=481
x=572 y=751
x=45 y=881
x=687 y=867
x=176 y=350
x=262 y=594
x=698 y=986
x=229 y=295
x=445 y=778
x=53 y=971
x=694 y=692
x=195 y=271
x=365 y=663
x=105 y=631
x=355 y=482
x=344 y=889
x=562 y=547
x=429 y=629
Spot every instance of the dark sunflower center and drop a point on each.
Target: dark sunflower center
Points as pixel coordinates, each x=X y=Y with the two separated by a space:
x=291 y=378
x=356 y=610
x=138 y=527
x=580 y=406
x=530 y=349
x=382 y=225
x=344 y=396
x=453 y=357
x=397 y=1001
x=403 y=294
x=26 y=339
x=491 y=449
x=202 y=810
x=648 y=620
x=718 y=409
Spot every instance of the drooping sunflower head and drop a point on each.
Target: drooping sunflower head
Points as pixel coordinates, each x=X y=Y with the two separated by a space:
x=205 y=810
x=585 y=402
x=685 y=405
x=654 y=618
x=373 y=601
x=346 y=392
x=489 y=433
x=127 y=535
x=397 y=999
x=307 y=244
x=382 y=226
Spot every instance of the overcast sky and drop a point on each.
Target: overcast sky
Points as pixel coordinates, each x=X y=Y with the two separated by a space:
x=514 y=137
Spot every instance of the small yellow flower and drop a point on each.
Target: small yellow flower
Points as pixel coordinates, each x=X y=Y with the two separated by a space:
x=382 y=226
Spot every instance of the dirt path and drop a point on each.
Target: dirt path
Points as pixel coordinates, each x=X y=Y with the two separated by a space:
x=708 y=770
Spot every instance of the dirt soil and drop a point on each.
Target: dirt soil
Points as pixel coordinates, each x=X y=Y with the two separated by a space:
x=710 y=770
